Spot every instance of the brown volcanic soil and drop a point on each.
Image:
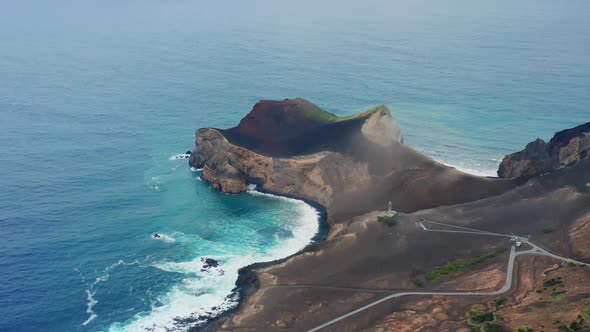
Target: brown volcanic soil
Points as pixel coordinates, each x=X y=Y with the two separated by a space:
x=366 y=261
x=368 y=257
x=351 y=165
x=548 y=208
x=523 y=306
x=286 y=128
x=352 y=168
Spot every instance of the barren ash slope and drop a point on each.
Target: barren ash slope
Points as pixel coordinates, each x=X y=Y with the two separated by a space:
x=353 y=166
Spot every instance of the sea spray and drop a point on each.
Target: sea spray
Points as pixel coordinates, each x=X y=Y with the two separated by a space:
x=485 y=173
x=93 y=286
x=206 y=293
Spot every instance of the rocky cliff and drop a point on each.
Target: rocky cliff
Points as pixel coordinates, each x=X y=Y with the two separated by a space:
x=565 y=149
x=348 y=164
x=353 y=166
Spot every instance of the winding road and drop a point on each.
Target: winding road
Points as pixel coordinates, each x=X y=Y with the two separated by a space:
x=535 y=250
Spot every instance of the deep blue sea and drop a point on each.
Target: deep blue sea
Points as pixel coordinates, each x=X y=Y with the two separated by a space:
x=96 y=96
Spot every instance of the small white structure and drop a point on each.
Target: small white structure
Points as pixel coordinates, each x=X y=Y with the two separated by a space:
x=390 y=212
x=516 y=241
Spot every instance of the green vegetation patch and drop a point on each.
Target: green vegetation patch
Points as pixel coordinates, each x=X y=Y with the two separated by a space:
x=419 y=283
x=460 y=265
x=491 y=328
x=390 y=221
x=480 y=318
x=525 y=329
x=320 y=115
x=479 y=308
x=586 y=313
x=553 y=282
x=557 y=296
x=479 y=315
x=577 y=325
x=377 y=109
x=501 y=302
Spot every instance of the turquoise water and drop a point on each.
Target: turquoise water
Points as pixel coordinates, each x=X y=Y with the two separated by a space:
x=95 y=96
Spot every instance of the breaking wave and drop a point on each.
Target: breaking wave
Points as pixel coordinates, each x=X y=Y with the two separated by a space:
x=205 y=293
x=163 y=237
x=180 y=156
x=472 y=171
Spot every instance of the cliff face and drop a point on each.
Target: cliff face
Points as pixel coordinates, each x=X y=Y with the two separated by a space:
x=293 y=147
x=565 y=149
x=352 y=164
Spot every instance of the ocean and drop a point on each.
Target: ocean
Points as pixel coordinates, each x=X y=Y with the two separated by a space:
x=96 y=96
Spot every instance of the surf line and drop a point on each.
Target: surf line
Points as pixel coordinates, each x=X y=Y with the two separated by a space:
x=243 y=282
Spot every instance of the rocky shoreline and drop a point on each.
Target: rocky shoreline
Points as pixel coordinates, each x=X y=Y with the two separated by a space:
x=350 y=167
x=247 y=281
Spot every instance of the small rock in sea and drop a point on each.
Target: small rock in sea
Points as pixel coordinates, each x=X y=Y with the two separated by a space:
x=209 y=263
x=188 y=152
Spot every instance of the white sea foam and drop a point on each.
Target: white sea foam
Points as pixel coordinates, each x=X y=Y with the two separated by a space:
x=205 y=291
x=91 y=287
x=180 y=156
x=164 y=237
x=91 y=303
x=154 y=183
x=194 y=169
x=90 y=297
x=478 y=172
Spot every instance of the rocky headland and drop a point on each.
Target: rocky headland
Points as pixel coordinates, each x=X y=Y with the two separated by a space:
x=350 y=165
x=565 y=149
x=353 y=166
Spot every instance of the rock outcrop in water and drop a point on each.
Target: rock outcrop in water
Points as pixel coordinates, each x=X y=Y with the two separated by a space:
x=565 y=149
x=350 y=164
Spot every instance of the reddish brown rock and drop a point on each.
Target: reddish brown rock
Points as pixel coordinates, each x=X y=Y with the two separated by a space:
x=565 y=149
x=354 y=164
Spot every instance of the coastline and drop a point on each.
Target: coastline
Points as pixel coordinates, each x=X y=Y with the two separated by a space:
x=485 y=173
x=305 y=234
x=247 y=282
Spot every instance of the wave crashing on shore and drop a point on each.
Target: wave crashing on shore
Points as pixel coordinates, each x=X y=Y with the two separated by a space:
x=206 y=293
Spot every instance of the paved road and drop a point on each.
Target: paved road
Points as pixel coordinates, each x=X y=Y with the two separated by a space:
x=463 y=229
x=536 y=250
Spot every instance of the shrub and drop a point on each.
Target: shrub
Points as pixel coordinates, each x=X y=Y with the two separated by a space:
x=459 y=265
x=388 y=220
x=478 y=319
x=491 y=328
x=553 y=282
x=557 y=296
x=500 y=302
x=577 y=325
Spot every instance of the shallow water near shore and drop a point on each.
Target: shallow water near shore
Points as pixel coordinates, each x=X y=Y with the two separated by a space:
x=96 y=99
